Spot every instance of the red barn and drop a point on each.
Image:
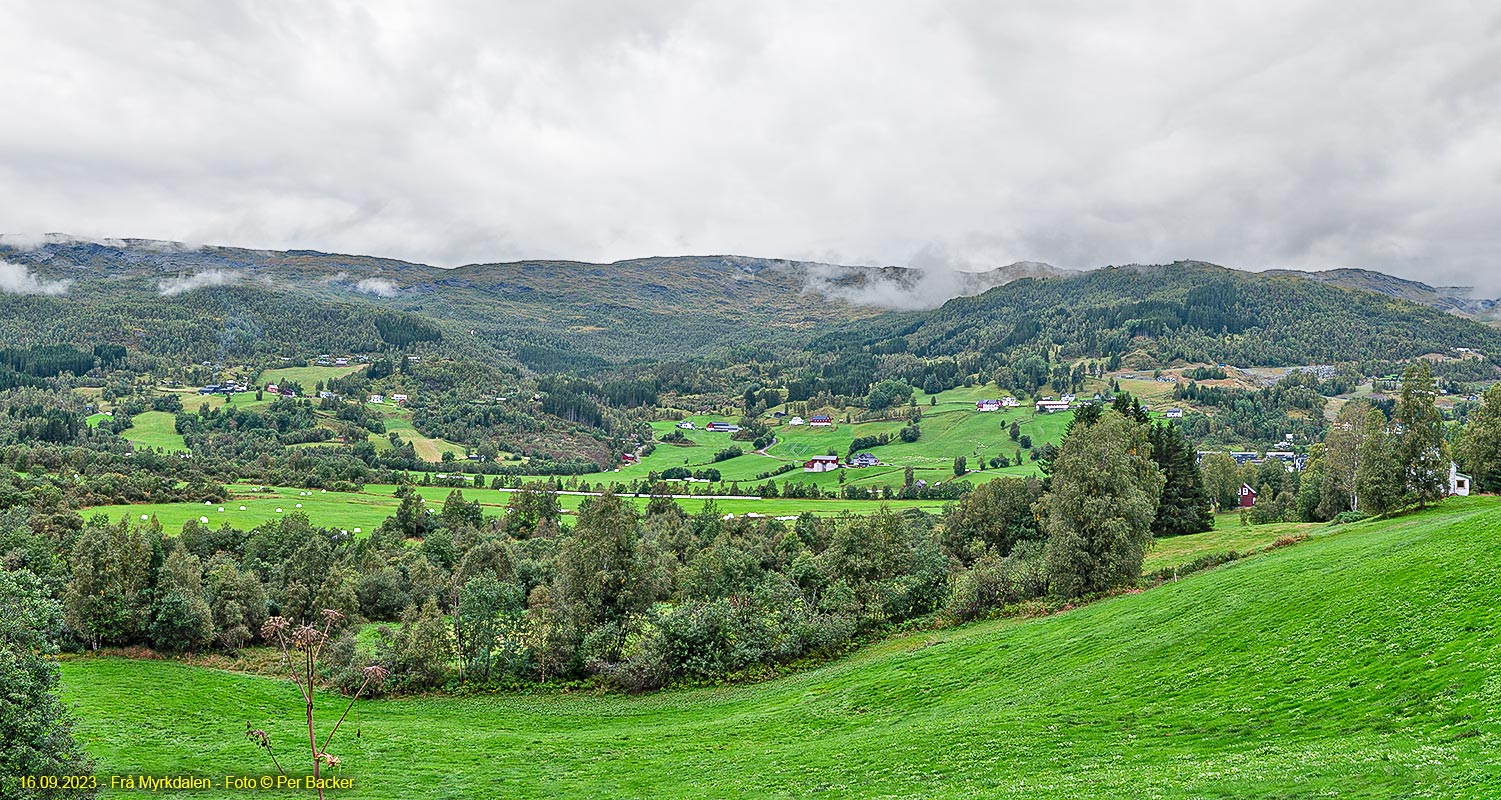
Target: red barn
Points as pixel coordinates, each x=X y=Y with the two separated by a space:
x=1247 y=496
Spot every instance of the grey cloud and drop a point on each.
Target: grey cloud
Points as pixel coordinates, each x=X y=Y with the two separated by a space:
x=1281 y=134
x=18 y=279
x=379 y=287
x=169 y=287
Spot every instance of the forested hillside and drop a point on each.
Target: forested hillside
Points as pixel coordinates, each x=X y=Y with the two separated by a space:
x=1187 y=311
x=553 y=316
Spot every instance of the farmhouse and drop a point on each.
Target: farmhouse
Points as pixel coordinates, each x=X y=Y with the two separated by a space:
x=399 y=399
x=1247 y=496
x=864 y=460
x=1010 y=402
x=721 y=427
x=988 y=405
x=821 y=421
x=377 y=398
x=1174 y=413
x=1050 y=406
x=341 y=362
x=821 y=464
x=272 y=388
x=1459 y=483
x=630 y=458
x=686 y=425
x=795 y=421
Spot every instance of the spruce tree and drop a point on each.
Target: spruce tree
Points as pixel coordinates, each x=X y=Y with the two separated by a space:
x=1184 y=505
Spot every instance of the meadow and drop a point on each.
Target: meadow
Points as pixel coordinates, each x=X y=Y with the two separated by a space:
x=367 y=509
x=950 y=428
x=156 y=429
x=1361 y=663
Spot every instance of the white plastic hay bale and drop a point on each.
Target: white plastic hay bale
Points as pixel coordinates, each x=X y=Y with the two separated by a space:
x=299 y=505
x=145 y=516
x=242 y=508
x=278 y=511
x=203 y=520
x=356 y=530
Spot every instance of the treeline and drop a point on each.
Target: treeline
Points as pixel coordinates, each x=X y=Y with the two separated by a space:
x=633 y=599
x=1371 y=462
x=1295 y=405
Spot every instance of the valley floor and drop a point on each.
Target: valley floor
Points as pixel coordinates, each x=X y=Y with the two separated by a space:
x=1363 y=663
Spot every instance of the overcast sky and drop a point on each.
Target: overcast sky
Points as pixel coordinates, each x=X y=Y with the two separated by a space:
x=1264 y=134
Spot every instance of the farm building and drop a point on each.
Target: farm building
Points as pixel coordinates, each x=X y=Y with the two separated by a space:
x=988 y=405
x=795 y=421
x=377 y=399
x=864 y=460
x=1051 y=406
x=821 y=464
x=1010 y=402
x=821 y=421
x=721 y=427
x=686 y=425
x=1174 y=413
x=1247 y=496
x=1459 y=483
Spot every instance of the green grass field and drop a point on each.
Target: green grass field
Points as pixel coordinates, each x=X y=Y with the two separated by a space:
x=950 y=429
x=367 y=509
x=307 y=377
x=155 y=429
x=1360 y=664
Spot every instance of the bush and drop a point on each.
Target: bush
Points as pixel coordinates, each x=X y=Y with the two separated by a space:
x=1345 y=517
x=995 y=582
x=183 y=623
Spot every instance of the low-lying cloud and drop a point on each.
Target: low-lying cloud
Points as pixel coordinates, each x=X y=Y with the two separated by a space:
x=912 y=289
x=18 y=279
x=380 y=287
x=170 y=287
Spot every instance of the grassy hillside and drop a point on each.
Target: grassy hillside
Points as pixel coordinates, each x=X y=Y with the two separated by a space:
x=950 y=429
x=155 y=429
x=1360 y=664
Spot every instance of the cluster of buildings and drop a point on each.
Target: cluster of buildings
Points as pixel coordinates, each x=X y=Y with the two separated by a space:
x=996 y=405
x=1292 y=461
x=380 y=399
x=326 y=360
x=830 y=463
x=227 y=387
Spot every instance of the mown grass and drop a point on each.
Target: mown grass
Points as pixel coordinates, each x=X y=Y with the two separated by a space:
x=1360 y=664
x=950 y=429
x=307 y=377
x=155 y=429
x=367 y=509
